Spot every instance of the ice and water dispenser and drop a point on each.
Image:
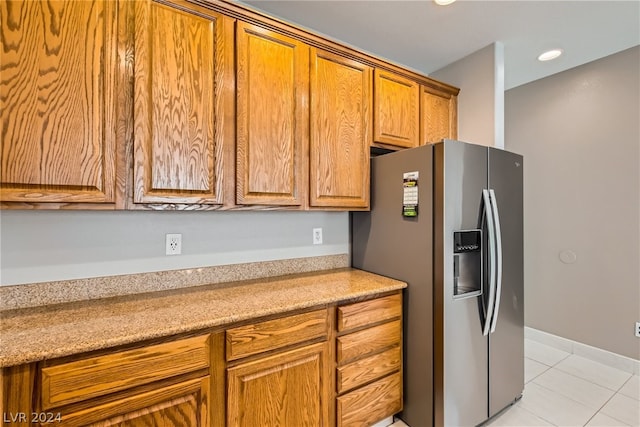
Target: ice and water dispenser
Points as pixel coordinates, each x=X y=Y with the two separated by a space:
x=467 y=263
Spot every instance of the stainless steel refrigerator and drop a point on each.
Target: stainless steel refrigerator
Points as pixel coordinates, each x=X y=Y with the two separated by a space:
x=447 y=219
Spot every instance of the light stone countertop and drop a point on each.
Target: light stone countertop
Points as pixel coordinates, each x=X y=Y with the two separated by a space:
x=34 y=334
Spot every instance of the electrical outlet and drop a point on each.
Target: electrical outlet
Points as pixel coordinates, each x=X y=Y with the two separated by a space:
x=174 y=244
x=317 y=236
x=638 y=329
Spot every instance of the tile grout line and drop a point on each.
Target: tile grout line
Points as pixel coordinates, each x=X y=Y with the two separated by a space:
x=572 y=399
x=624 y=384
x=539 y=416
x=589 y=381
x=598 y=411
x=605 y=404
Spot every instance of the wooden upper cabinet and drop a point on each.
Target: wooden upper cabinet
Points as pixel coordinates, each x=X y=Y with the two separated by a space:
x=57 y=101
x=272 y=117
x=340 y=116
x=396 y=110
x=439 y=115
x=183 y=84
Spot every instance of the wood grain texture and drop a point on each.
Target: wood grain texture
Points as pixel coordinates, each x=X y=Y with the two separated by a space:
x=16 y=393
x=329 y=375
x=96 y=376
x=282 y=390
x=273 y=334
x=396 y=110
x=341 y=107
x=57 y=101
x=272 y=112
x=178 y=75
x=217 y=374
x=368 y=312
x=184 y=404
x=368 y=369
x=371 y=403
x=439 y=115
x=247 y=14
x=368 y=341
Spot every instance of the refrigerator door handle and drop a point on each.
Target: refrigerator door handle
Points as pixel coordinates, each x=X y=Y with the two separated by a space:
x=498 y=231
x=492 y=261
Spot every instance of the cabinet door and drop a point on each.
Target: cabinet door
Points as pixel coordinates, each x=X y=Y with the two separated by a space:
x=272 y=117
x=181 y=405
x=57 y=103
x=439 y=115
x=282 y=390
x=396 y=110
x=341 y=108
x=184 y=58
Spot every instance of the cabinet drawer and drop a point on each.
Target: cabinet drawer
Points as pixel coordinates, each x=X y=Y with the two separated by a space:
x=367 y=312
x=368 y=369
x=368 y=341
x=273 y=334
x=371 y=403
x=96 y=376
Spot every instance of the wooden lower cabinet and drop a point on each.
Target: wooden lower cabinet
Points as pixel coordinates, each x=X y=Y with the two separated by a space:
x=339 y=365
x=285 y=389
x=369 y=361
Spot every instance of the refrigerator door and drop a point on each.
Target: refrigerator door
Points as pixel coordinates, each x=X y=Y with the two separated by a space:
x=506 y=342
x=462 y=351
x=387 y=243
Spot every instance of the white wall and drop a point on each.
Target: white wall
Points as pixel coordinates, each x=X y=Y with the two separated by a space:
x=579 y=132
x=480 y=77
x=39 y=246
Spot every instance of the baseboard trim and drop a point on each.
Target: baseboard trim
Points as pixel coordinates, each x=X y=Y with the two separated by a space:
x=596 y=354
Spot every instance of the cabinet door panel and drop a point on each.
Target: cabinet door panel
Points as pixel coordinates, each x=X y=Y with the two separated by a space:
x=181 y=405
x=57 y=101
x=282 y=390
x=180 y=59
x=340 y=131
x=397 y=110
x=272 y=114
x=438 y=116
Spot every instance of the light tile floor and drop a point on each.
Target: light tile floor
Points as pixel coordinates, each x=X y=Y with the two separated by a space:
x=562 y=389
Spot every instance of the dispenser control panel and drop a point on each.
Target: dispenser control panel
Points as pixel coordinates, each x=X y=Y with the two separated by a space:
x=466 y=241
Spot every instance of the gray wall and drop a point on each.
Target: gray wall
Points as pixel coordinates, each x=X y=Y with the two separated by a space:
x=42 y=246
x=579 y=133
x=480 y=77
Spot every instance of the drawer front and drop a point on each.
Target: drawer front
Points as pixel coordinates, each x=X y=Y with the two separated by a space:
x=372 y=403
x=273 y=334
x=96 y=376
x=368 y=369
x=364 y=313
x=368 y=341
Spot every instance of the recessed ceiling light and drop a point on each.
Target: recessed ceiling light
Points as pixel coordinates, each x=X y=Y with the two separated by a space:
x=550 y=54
x=443 y=2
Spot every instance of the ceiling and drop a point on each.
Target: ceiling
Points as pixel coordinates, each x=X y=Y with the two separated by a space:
x=425 y=37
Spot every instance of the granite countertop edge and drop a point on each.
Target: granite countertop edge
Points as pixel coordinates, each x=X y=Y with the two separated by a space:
x=48 y=332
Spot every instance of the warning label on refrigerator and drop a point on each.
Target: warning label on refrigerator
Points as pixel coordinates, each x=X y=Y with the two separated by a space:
x=410 y=194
